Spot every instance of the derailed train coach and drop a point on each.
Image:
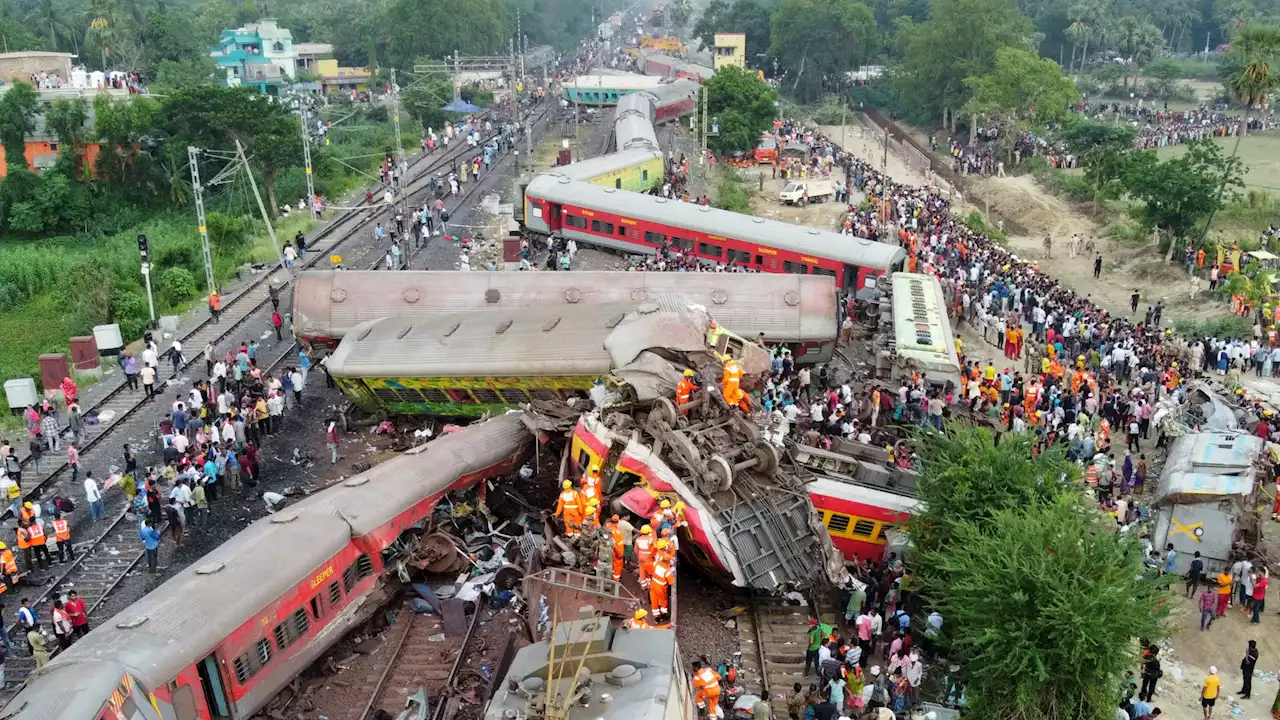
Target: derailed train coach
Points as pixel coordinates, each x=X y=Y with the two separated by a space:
x=222 y=637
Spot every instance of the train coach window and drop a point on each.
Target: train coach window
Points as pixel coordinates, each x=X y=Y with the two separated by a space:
x=245 y=668
x=364 y=566
x=824 y=271
x=759 y=259
x=602 y=227
x=434 y=395
x=882 y=531
x=315 y=607
x=349 y=578
x=264 y=652
x=285 y=633
x=542 y=394
x=838 y=523
x=794 y=267
x=459 y=396
x=335 y=594
x=300 y=622
x=683 y=244
x=575 y=221
x=485 y=396
x=513 y=395
x=644 y=175
x=617 y=183
x=711 y=251
x=387 y=395
x=864 y=528
x=654 y=238
x=622 y=231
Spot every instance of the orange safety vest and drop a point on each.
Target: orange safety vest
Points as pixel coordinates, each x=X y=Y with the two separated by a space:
x=589 y=493
x=35 y=534
x=707 y=680
x=732 y=379
x=684 y=390
x=61 y=531
x=10 y=565
x=661 y=574
x=23 y=542
x=215 y=301
x=634 y=624
x=568 y=502
x=644 y=548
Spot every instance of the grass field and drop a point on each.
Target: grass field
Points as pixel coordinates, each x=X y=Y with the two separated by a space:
x=1261 y=154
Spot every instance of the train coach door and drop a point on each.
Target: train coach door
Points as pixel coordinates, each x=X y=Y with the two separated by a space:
x=215 y=696
x=555 y=218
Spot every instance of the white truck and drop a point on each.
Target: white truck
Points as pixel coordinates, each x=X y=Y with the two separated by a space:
x=802 y=192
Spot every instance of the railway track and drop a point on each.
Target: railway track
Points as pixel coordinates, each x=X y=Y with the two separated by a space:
x=94 y=573
x=773 y=638
x=119 y=405
x=416 y=657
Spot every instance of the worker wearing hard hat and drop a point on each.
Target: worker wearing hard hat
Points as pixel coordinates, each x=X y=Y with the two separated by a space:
x=638 y=622
x=616 y=536
x=570 y=507
x=591 y=518
x=684 y=391
x=662 y=517
x=731 y=384
x=10 y=567
x=706 y=689
x=645 y=550
x=659 y=583
x=591 y=494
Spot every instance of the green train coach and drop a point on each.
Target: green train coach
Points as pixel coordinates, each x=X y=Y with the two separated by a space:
x=471 y=364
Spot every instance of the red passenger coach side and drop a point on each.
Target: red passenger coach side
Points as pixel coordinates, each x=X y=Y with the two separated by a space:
x=637 y=223
x=222 y=637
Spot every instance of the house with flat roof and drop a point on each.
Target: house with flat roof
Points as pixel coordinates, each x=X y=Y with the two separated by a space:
x=260 y=54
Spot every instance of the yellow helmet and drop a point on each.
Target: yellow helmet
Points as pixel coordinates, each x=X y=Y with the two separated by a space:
x=1175 y=364
x=593 y=502
x=641 y=613
x=688 y=373
x=646 y=530
x=3 y=546
x=726 y=357
x=679 y=504
x=26 y=505
x=665 y=504
x=566 y=484
x=662 y=544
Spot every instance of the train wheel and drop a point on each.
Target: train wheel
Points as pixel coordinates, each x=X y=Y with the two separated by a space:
x=663 y=413
x=767 y=457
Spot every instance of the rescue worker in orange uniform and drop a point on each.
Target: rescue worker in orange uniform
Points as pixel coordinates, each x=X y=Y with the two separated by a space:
x=660 y=583
x=706 y=688
x=662 y=517
x=731 y=384
x=638 y=622
x=591 y=495
x=35 y=537
x=9 y=566
x=684 y=391
x=570 y=507
x=62 y=533
x=618 y=547
x=24 y=543
x=644 y=554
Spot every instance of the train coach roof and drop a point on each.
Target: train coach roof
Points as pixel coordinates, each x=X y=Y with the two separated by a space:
x=626 y=83
x=785 y=307
x=563 y=341
x=667 y=93
x=191 y=613
x=862 y=252
x=613 y=162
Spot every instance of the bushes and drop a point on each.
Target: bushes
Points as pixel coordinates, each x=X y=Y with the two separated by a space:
x=1070 y=185
x=731 y=191
x=177 y=285
x=1221 y=327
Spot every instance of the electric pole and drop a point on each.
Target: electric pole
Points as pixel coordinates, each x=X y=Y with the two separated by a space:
x=271 y=230
x=193 y=157
x=306 y=158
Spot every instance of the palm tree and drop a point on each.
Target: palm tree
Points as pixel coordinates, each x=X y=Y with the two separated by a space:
x=101 y=27
x=1139 y=41
x=1086 y=24
x=47 y=21
x=1253 y=51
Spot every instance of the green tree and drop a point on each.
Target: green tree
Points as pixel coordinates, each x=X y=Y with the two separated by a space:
x=815 y=40
x=958 y=41
x=716 y=17
x=1180 y=192
x=213 y=118
x=49 y=21
x=170 y=35
x=122 y=128
x=1000 y=549
x=1031 y=88
x=1087 y=25
x=188 y=72
x=18 y=109
x=678 y=13
x=1139 y=41
x=1104 y=150
x=1254 y=51
x=68 y=119
x=742 y=106
x=1164 y=75
x=435 y=28
x=745 y=16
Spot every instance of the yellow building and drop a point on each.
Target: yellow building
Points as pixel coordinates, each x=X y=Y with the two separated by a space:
x=334 y=79
x=731 y=49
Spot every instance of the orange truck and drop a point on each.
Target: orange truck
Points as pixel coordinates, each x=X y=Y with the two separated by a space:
x=766 y=152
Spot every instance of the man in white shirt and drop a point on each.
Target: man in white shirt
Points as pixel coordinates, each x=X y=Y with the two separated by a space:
x=97 y=508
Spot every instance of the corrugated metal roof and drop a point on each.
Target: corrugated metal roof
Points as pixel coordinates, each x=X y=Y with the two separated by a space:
x=1208 y=466
x=559 y=188
x=784 y=307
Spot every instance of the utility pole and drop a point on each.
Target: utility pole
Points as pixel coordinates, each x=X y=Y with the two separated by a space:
x=306 y=158
x=271 y=230
x=702 y=126
x=193 y=158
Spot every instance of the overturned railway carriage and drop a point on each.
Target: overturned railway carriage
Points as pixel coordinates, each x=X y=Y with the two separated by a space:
x=606 y=90
x=798 y=311
x=637 y=162
x=221 y=638
x=555 y=204
x=472 y=364
x=672 y=68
